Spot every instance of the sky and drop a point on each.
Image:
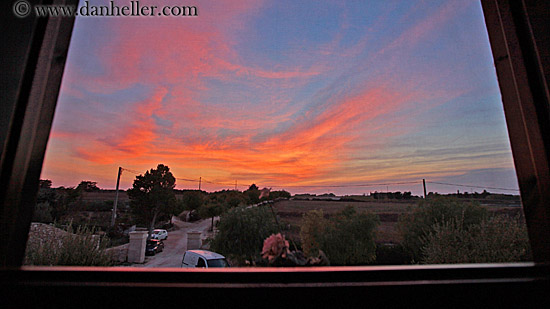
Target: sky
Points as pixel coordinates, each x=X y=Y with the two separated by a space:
x=349 y=97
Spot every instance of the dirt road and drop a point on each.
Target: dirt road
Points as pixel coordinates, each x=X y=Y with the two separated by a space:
x=176 y=244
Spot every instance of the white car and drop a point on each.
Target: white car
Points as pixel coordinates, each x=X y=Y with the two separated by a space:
x=203 y=259
x=159 y=234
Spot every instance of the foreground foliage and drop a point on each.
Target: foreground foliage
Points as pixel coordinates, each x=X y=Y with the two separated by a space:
x=242 y=232
x=78 y=247
x=276 y=251
x=347 y=238
x=420 y=223
x=495 y=240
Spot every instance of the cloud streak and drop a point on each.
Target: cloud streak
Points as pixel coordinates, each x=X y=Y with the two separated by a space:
x=321 y=109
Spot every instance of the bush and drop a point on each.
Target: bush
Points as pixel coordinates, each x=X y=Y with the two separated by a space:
x=99 y=206
x=413 y=227
x=241 y=232
x=496 y=240
x=312 y=232
x=42 y=213
x=82 y=248
x=346 y=239
x=391 y=254
x=191 y=200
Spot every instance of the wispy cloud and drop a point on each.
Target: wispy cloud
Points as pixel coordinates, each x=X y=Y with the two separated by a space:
x=311 y=110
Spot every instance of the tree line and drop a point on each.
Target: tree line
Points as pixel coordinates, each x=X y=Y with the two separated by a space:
x=153 y=199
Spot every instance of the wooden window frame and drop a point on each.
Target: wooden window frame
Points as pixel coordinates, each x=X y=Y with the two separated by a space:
x=34 y=52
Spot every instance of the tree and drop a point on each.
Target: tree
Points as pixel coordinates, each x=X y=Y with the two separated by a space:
x=278 y=194
x=192 y=200
x=46 y=200
x=211 y=210
x=52 y=204
x=45 y=184
x=88 y=186
x=152 y=195
x=242 y=232
x=234 y=199
x=252 y=194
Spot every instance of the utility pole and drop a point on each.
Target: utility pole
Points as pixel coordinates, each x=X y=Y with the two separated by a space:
x=113 y=215
x=424 y=184
x=200 y=180
x=235 y=185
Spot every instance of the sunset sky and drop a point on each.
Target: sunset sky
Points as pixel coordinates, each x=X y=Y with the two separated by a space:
x=285 y=94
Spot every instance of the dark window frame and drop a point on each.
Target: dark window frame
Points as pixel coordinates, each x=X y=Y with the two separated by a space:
x=34 y=52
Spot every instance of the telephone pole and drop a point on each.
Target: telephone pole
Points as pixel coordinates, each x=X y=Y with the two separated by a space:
x=424 y=184
x=200 y=180
x=113 y=215
x=235 y=185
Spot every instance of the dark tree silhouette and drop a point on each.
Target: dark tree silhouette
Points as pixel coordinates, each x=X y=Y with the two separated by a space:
x=192 y=200
x=152 y=195
x=88 y=186
x=45 y=184
x=252 y=194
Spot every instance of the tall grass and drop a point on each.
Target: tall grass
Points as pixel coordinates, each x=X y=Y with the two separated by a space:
x=78 y=247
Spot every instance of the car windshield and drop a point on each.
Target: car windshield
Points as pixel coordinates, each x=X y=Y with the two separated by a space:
x=218 y=263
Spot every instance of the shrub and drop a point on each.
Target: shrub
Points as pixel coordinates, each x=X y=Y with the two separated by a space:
x=82 y=248
x=418 y=224
x=346 y=239
x=42 y=213
x=241 y=232
x=391 y=254
x=99 y=206
x=312 y=231
x=349 y=239
x=495 y=240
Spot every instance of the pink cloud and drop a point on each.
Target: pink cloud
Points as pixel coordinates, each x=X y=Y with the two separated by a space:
x=178 y=57
x=426 y=26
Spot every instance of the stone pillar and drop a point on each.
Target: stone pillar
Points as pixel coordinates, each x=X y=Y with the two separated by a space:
x=194 y=240
x=136 y=249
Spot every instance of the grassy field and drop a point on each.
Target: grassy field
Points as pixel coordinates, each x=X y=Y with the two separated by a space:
x=290 y=213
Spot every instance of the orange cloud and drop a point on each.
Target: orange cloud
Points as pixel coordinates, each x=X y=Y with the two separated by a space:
x=136 y=138
x=275 y=139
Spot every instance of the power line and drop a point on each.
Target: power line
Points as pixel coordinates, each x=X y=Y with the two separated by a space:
x=471 y=186
x=131 y=171
x=345 y=186
x=334 y=186
x=217 y=183
x=183 y=179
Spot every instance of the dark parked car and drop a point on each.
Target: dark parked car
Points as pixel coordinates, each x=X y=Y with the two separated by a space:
x=154 y=246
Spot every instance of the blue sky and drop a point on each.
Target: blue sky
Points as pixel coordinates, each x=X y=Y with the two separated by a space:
x=285 y=94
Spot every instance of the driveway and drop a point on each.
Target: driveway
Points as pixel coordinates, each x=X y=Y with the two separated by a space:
x=176 y=244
